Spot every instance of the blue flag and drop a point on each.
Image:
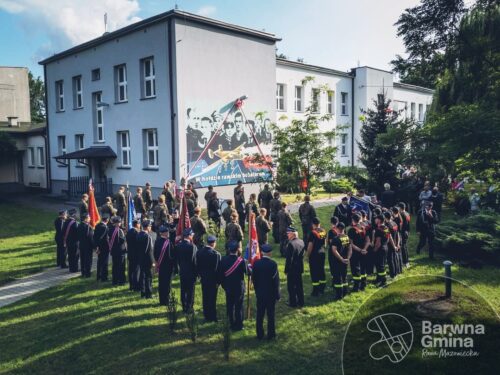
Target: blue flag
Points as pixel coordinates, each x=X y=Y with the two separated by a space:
x=130 y=211
x=359 y=204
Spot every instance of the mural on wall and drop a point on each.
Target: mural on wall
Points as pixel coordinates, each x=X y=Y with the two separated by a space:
x=231 y=156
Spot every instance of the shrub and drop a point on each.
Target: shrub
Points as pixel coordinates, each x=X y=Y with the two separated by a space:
x=341 y=185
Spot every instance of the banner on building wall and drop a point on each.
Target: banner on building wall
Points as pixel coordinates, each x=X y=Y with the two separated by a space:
x=233 y=154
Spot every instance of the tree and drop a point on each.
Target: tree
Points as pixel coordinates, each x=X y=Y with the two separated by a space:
x=37 y=99
x=301 y=150
x=384 y=143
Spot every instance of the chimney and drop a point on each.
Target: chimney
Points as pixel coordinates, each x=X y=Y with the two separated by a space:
x=13 y=121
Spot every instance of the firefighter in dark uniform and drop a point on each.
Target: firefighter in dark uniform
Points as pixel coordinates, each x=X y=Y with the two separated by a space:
x=398 y=220
x=134 y=269
x=139 y=205
x=208 y=262
x=213 y=209
x=332 y=234
x=120 y=202
x=405 y=233
x=118 y=251
x=284 y=221
x=145 y=248
x=264 y=199
x=147 y=196
x=59 y=238
x=392 y=245
x=71 y=240
x=340 y=247
x=85 y=244
x=294 y=268
x=165 y=264
x=232 y=272
x=266 y=281
x=427 y=219
x=185 y=255
x=359 y=245
x=102 y=247
x=306 y=214
x=275 y=206
x=199 y=227
x=263 y=226
x=343 y=212
x=382 y=236
x=239 y=203
x=367 y=226
x=233 y=231
x=316 y=256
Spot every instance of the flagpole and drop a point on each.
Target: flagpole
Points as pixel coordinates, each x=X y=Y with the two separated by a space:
x=248 y=297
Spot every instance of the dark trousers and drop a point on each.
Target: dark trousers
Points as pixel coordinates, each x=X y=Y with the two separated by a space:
x=426 y=237
x=295 y=289
x=264 y=307
x=146 y=282
x=370 y=261
x=187 y=293
x=102 y=266
x=276 y=232
x=317 y=269
x=61 y=254
x=164 y=285
x=241 y=220
x=358 y=268
x=86 y=262
x=234 y=309
x=380 y=260
x=283 y=243
x=392 y=262
x=339 y=278
x=209 y=290
x=118 y=269
x=404 y=247
x=306 y=230
x=73 y=256
x=134 y=272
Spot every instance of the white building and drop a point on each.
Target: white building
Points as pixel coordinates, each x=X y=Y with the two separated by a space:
x=146 y=102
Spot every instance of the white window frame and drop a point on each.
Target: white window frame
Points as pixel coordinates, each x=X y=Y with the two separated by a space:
x=40 y=153
x=77 y=92
x=148 y=78
x=124 y=148
x=60 y=96
x=99 y=111
x=315 y=100
x=280 y=97
x=61 y=144
x=343 y=104
x=80 y=145
x=343 y=144
x=152 y=148
x=31 y=157
x=420 y=112
x=330 y=95
x=121 y=83
x=298 y=99
x=412 y=111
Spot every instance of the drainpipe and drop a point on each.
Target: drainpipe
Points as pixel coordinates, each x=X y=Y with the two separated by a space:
x=46 y=137
x=353 y=73
x=170 y=46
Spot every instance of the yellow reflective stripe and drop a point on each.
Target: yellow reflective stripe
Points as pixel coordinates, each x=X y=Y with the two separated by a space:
x=363 y=275
x=346 y=284
x=356 y=277
x=315 y=284
x=322 y=281
x=381 y=273
x=338 y=285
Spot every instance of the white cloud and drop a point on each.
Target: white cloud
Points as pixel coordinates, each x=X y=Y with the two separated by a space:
x=70 y=22
x=206 y=11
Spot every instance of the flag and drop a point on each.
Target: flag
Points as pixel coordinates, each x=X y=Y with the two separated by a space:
x=359 y=204
x=252 y=252
x=130 y=211
x=184 y=221
x=93 y=211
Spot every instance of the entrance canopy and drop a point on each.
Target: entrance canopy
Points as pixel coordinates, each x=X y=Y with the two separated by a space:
x=96 y=152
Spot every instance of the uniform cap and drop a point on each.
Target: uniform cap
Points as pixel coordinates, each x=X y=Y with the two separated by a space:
x=291 y=230
x=62 y=212
x=187 y=232
x=266 y=248
x=146 y=223
x=116 y=219
x=135 y=222
x=163 y=229
x=232 y=246
x=72 y=212
x=105 y=216
x=84 y=216
x=315 y=221
x=344 y=199
x=211 y=239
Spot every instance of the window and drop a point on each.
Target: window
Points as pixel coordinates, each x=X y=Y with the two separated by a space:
x=427 y=109
x=343 y=108
x=77 y=92
x=61 y=145
x=151 y=148
x=420 y=112
x=380 y=99
x=41 y=157
x=298 y=98
x=343 y=144
x=121 y=83
x=412 y=111
x=315 y=105
x=124 y=145
x=330 y=95
x=96 y=74
x=59 y=96
x=98 y=117
x=148 y=78
x=31 y=157
x=79 y=145
x=280 y=97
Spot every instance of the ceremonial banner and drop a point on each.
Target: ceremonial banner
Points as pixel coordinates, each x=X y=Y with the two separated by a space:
x=252 y=252
x=93 y=211
x=184 y=221
x=130 y=211
x=359 y=204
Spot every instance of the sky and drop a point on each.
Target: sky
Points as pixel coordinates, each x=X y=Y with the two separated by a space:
x=337 y=34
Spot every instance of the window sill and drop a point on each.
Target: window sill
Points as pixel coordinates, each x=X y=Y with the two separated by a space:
x=60 y=111
x=298 y=111
x=280 y=110
x=151 y=168
x=80 y=166
x=345 y=115
x=148 y=97
x=62 y=166
x=122 y=102
x=344 y=156
x=77 y=108
x=99 y=142
x=123 y=167
x=31 y=166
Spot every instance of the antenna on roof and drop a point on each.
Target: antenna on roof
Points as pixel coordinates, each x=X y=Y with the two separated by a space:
x=176 y=7
x=358 y=63
x=105 y=23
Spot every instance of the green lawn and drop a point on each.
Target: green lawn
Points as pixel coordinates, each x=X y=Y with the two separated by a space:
x=83 y=327
x=316 y=194
x=26 y=241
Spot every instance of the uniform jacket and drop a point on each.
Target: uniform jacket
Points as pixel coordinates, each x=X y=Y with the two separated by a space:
x=120 y=204
x=147 y=196
x=58 y=225
x=275 y=207
x=199 y=228
x=185 y=255
x=233 y=232
x=207 y=263
x=107 y=208
x=343 y=213
x=118 y=244
x=306 y=213
x=70 y=235
x=101 y=236
x=84 y=208
x=427 y=223
x=213 y=209
x=132 y=250
x=233 y=283
x=160 y=214
x=295 y=256
x=145 y=248
x=139 y=204
x=266 y=279
x=318 y=239
x=226 y=214
x=284 y=220
x=263 y=228
x=168 y=263
x=264 y=199
x=85 y=235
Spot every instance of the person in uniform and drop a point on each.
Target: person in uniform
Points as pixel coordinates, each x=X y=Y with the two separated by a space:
x=226 y=214
x=294 y=268
x=263 y=226
x=388 y=197
x=367 y=226
x=231 y=276
x=251 y=207
x=427 y=219
x=341 y=249
x=209 y=194
x=84 y=205
x=316 y=256
x=199 y=228
x=145 y=248
x=139 y=205
x=190 y=204
x=392 y=245
x=343 y=212
x=120 y=202
x=306 y=214
x=118 y=251
x=71 y=240
x=382 y=236
x=398 y=220
x=405 y=233
x=194 y=193
x=168 y=196
x=359 y=246
x=208 y=262
x=264 y=199
x=160 y=213
x=213 y=209
x=284 y=221
x=185 y=254
x=134 y=269
x=59 y=238
x=147 y=197
x=107 y=208
x=165 y=264
x=275 y=206
x=239 y=203
x=266 y=282
x=102 y=247
x=331 y=235
x=233 y=230
x=85 y=235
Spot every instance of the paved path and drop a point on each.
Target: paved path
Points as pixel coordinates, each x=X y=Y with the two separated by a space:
x=294 y=207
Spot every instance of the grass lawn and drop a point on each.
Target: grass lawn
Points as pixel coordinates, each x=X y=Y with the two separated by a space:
x=316 y=194
x=26 y=241
x=85 y=327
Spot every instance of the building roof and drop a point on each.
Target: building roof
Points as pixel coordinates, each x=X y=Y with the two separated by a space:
x=313 y=68
x=23 y=128
x=95 y=152
x=174 y=13
x=407 y=86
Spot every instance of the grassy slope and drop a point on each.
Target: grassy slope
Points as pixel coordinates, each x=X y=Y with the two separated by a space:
x=83 y=327
x=26 y=241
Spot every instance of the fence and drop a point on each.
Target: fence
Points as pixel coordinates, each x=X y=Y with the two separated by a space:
x=79 y=185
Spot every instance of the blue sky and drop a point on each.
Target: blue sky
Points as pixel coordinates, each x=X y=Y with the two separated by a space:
x=332 y=33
